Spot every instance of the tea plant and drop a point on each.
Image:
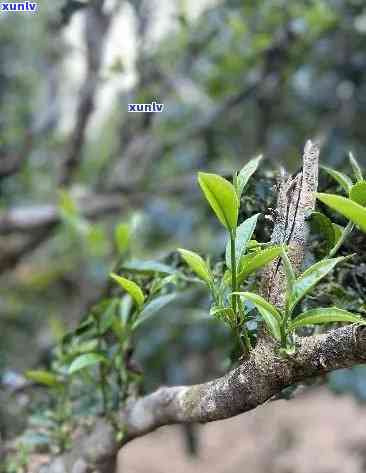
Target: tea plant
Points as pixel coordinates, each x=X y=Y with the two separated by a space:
x=93 y=371
x=243 y=255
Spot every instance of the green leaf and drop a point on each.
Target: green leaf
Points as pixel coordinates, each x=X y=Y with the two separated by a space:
x=343 y=180
x=245 y=174
x=197 y=264
x=122 y=237
x=222 y=197
x=269 y=313
x=251 y=263
x=147 y=267
x=85 y=361
x=290 y=274
x=108 y=316
x=324 y=316
x=356 y=167
x=243 y=234
x=223 y=313
x=43 y=377
x=347 y=207
x=271 y=322
x=338 y=231
x=133 y=289
x=358 y=193
x=320 y=223
x=259 y=301
x=310 y=278
x=153 y=308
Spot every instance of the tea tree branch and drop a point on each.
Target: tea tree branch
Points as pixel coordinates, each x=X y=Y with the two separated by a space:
x=263 y=375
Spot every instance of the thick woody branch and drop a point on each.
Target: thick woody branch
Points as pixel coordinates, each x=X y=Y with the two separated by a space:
x=35 y=218
x=251 y=384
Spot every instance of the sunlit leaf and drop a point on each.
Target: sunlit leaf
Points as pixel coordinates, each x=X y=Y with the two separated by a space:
x=243 y=234
x=197 y=265
x=269 y=313
x=245 y=174
x=324 y=316
x=358 y=193
x=122 y=237
x=43 y=377
x=222 y=197
x=133 y=289
x=259 y=301
x=251 y=263
x=347 y=207
x=343 y=180
x=153 y=308
x=310 y=278
x=356 y=167
x=86 y=361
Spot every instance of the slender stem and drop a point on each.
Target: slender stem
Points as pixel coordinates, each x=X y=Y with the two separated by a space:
x=248 y=345
x=284 y=324
x=233 y=272
x=349 y=228
x=237 y=334
x=235 y=301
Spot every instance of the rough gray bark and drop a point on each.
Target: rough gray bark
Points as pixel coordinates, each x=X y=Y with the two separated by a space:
x=296 y=200
x=257 y=379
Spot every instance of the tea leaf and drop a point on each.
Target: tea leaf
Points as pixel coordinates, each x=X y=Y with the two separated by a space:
x=85 y=361
x=43 y=377
x=197 y=264
x=269 y=313
x=243 y=234
x=343 y=180
x=222 y=197
x=133 y=289
x=310 y=278
x=347 y=207
x=245 y=174
x=251 y=263
x=358 y=193
x=259 y=301
x=324 y=316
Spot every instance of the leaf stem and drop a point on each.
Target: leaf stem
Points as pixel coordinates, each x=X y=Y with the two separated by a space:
x=349 y=228
x=233 y=271
x=245 y=346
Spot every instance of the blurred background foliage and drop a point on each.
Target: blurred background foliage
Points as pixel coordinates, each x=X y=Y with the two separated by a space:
x=237 y=78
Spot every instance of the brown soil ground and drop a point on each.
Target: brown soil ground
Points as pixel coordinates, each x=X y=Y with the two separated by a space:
x=317 y=432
